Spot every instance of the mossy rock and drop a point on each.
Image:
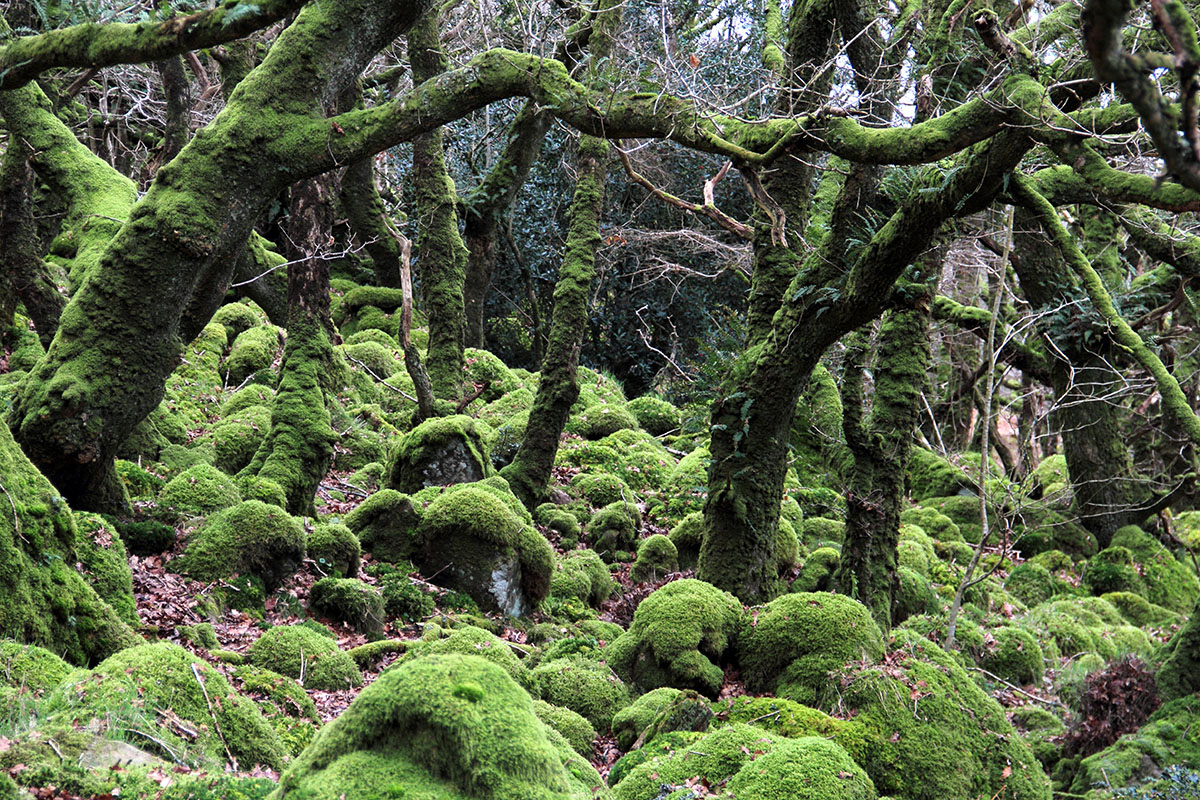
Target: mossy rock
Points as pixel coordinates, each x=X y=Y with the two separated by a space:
x=631 y=722
x=936 y=525
x=304 y=654
x=29 y=668
x=386 y=525
x=452 y=727
x=1169 y=737
x=581 y=574
x=930 y=475
x=816 y=575
x=821 y=532
x=958 y=743
x=251 y=538
x=656 y=417
x=613 y=529
x=680 y=636
x=470 y=640
x=250 y=396
x=284 y=703
x=146 y=537
x=238 y=317
x=1112 y=570
x=402 y=598
x=643 y=463
x=165 y=676
x=803 y=768
x=1032 y=584
x=687 y=486
x=578 y=732
x=688 y=711
x=793 y=643
x=1014 y=655
x=1140 y=612
x=602 y=488
x=964 y=511
x=476 y=542
x=1042 y=731
x=103 y=562
x=1169 y=583
x=486 y=368
x=790 y=719
x=140 y=483
x=1179 y=675
x=562 y=522
x=43 y=599
x=687 y=536
x=199 y=491
x=914 y=596
x=256 y=487
x=237 y=437
x=656 y=557
x=1052 y=479
x=335 y=547
x=587 y=687
x=439 y=452
x=252 y=354
x=1069 y=626
x=1039 y=528
x=351 y=601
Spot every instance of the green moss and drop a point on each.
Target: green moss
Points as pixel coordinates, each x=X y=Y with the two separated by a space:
x=687 y=537
x=687 y=486
x=351 y=601
x=935 y=524
x=582 y=575
x=787 y=546
x=165 y=676
x=251 y=355
x=1052 y=478
x=43 y=599
x=1014 y=655
x=29 y=668
x=614 y=528
x=306 y=655
x=1140 y=612
x=1169 y=583
x=439 y=451
x=484 y=367
x=589 y=688
x=563 y=523
x=335 y=548
x=602 y=488
x=630 y=722
x=816 y=575
x=284 y=703
x=792 y=643
x=450 y=726
x=237 y=438
x=957 y=742
x=104 y=564
x=601 y=419
x=1041 y=730
x=251 y=538
x=930 y=475
x=915 y=595
x=200 y=490
x=714 y=759
x=255 y=487
x=1112 y=570
x=964 y=511
x=656 y=557
x=470 y=640
x=656 y=417
x=1033 y=584
x=386 y=524
x=1041 y=528
x=248 y=397
x=1169 y=737
x=680 y=636
x=239 y=317
x=1180 y=657
x=574 y=728
x=140 y=483
x=821 y=532
x=790 y=719
x=1066 y=627
x=808 y=767
x=663 y=745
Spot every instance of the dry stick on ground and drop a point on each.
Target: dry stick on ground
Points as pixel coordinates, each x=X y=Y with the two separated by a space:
x=213 y=714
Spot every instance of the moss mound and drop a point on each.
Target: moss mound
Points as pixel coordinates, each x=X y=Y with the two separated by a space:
x=687 y=536
x=687 y=486
x=656 y=557
x=578 y=732
x=1014 y=655
x=1067 y=627
x=680 y=636
x=589 y=688
x=43 y=599
x=582 y=575
x=1169 y=583
x=600 y=419
x=656 y=417
x=386 y=525
x=630 y=722
x=452 y=727
x=335 y=547
x=956 y=744
x=351 y=601
x=284 y=703
x=252 y=538
x=713 y=759
x=803 y=768
x=1179 y=675
x=105 y=564
x=200 y=490
x=236 y=438
x=795 y=641
x=439 y=452
x=614 y=529
x=27 y=667
x=165 y=676
x=1169 y=737
x=469 y=640
x=304 y=654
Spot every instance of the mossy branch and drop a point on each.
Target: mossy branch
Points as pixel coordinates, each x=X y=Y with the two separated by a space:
x=100 y=45
x=1024 y=357
x=1175 y=402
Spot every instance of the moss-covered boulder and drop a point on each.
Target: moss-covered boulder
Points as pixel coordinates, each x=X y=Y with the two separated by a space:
x=470 y=640
x=236 y=438
x=351 y=601
x=587 y=687
x=164 y=676
x=816 y=573
x=284 y=704
x=656 y=417
x=613 y=529
x=439 y=452
x=29 y=668
x=44 y=600
x=303 y=653
x=199 y=491
x=252 y=353
x=335 y=548
x=582 y=575
x=712 y=760
x=601 y=419
x=1014 y=655
x=1168 y=582
x=930 y=475
x=450 y=727
x=1068 y=627
x=687 y=536
x=631 y=722
x=476 y=543
x=1169 y=737
x=601 y=488
x=1179 y=675
x=803 y=768
x=656 y=557
x=934 y=734
x=687 y=486
x=681 y=635
x=252 y=538
x=105 y=564
x=386 y=525
x=790 y=646
x=240 y=316
x=578 y=732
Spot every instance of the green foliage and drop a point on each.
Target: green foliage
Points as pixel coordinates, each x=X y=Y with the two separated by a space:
x=687 y=537
x=105 y=564
x=816 y=575
x=602 y=488
x=679 y=637
x=930 y=475
x=1180 y=657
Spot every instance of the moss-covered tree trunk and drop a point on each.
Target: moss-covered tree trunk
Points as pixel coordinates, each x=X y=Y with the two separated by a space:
x=441 y=255
x=881 y=444
x=298 y=450
x=151 y=288
x=365 y=210
x=23 y=275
